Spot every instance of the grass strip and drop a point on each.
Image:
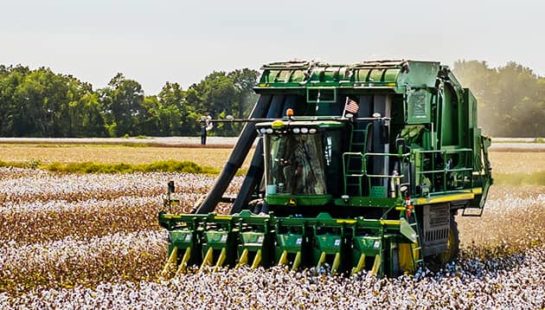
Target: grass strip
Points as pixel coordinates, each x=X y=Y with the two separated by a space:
x=158 y=166
x=535 y=178
x=94 y=167
x=184 y=166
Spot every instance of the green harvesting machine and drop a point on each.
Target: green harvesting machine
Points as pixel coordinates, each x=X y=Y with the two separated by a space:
x=356 y=168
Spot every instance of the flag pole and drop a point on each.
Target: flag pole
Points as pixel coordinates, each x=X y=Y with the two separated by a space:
x=345 y=105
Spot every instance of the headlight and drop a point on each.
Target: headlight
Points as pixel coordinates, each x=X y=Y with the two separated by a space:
x=296 y=130
x=304 y=130
x=263 y=130
x=269 y=130
x=312 y=130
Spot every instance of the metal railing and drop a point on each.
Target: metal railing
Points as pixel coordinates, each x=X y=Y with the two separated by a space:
x=464 y=166
x=422 y=159
x=364 y=174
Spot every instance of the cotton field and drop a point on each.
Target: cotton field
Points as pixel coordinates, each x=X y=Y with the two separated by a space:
x=92 y=241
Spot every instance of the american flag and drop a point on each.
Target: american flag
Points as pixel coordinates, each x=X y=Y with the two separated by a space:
x=351 y=106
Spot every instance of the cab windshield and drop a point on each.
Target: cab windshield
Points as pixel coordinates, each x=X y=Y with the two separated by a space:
x=295 y=164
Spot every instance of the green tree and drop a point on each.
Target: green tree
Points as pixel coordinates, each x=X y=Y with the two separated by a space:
x=244 y=81
x=42 y=103
x=122 y=101
x=510 y=98
x=174 y=110
x=220 y=94
x=12 y=121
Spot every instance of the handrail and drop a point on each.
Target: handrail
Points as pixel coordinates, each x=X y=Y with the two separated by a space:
x=398 y=176
x=365 y=174
x=446 y=151
x=443 y=170
x=388 y=154
x=463 y=167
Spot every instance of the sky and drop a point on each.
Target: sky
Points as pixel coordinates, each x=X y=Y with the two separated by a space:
x=182 y=41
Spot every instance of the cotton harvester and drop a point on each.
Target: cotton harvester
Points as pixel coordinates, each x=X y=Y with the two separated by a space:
x=356 y=167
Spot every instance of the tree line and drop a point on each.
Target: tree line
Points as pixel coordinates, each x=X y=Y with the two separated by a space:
x=42 y=103
x=511 y=98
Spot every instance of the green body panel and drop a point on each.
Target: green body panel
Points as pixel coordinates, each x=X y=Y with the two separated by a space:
x=368 y=245
x=395 y=76
x=291 y=242
x=419 y=107
x=355 y=201
x=298 y=200
x=252 y=240
x=377 y=192
x=215 y=239
x=328 y=243
x=326 y=247
x=406 y=230
x=182 y=238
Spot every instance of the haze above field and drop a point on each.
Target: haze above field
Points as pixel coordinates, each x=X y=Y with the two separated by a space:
x=155 y=41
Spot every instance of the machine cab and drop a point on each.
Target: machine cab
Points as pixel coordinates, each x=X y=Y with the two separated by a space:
x=301 y=161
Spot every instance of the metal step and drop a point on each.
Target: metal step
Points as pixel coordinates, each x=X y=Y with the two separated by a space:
x=479 y=212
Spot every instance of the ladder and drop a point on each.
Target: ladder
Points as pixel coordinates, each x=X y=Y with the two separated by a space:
x=354 y=162
x=418 y=258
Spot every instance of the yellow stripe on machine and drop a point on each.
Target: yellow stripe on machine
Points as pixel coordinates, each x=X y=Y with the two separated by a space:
x=361 y=264
x=185 y=260
x=406 y=261
x=170 y=262
x=257 y=260
x=346 y=221
x=390 y=222
x=321 y=261
x=415 y=251
x=336 y=263
x=376 y=265
x=283 y=259
x=296 y=261
x=243 y=258
x=221 y=259
x=445 y=198
x=208 y=259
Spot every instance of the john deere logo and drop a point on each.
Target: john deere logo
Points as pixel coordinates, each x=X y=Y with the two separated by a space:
x=292 y=202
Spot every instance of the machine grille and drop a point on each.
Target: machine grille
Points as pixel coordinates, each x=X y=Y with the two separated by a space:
x=436 y=228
